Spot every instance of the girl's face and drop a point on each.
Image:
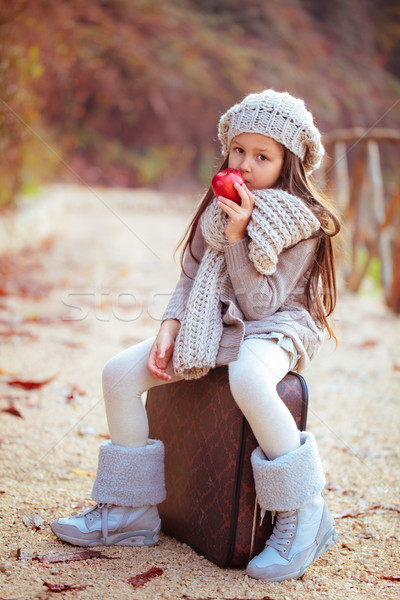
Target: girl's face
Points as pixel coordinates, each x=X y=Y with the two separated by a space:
x=259 y=158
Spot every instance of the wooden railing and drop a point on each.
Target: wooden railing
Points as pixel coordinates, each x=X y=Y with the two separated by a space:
x=369 y=209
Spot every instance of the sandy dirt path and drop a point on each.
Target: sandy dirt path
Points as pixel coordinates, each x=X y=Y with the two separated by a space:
x=95 y=280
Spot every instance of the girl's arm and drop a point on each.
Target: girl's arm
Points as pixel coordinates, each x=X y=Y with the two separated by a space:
x=163 y=347
x=260 y=296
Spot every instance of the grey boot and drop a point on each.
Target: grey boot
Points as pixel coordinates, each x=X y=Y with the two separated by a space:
x=128 y=486
x=291 y=487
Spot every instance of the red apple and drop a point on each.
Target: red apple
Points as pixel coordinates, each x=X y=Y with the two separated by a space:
x=223 y=184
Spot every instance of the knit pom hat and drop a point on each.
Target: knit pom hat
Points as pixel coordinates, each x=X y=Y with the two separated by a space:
x=277 y=115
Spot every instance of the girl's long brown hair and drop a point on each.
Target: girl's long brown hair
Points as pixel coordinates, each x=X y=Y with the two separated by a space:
x=321 y=284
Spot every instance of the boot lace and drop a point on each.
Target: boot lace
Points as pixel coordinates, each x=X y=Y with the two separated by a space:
x=100 y=510
x=284 y=531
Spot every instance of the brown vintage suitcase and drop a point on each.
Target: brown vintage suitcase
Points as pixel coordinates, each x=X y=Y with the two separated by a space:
x=211 y=501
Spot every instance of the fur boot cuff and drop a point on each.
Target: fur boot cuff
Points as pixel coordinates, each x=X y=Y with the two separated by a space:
x=130 y=475
x=290 y=481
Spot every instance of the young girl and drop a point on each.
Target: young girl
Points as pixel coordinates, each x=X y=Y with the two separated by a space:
x=256 y=288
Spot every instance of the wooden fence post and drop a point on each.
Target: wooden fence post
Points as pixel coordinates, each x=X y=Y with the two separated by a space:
x=353 y=217
x=342 y=180
x=378 y=207
x=393 y=215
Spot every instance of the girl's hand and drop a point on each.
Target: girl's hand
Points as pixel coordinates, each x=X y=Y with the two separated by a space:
x=239 y=216
x=162 y=349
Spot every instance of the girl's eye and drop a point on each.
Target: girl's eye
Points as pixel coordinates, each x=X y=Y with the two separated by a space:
x=262 y=157
x=240 y=150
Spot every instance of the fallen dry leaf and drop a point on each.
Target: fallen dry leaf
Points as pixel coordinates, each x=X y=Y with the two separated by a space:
x=368 y=344
x=212 y=598
x=366 y=536
x=357 y=512
x=387 y=576
x=332 y=486
x=29 y=384
x=4 y=372
x=56 y=557
x=63 y=587
x=17 y=333
x=72 y=343
x=87 y=429
x=83 y=473
x=72 y=393
x=143 y=578
x=33 y=522
x=347 y=546
x=40 y=320
x=13 y=410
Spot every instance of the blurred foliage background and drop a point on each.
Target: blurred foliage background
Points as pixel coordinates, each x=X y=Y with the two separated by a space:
x=128 y=92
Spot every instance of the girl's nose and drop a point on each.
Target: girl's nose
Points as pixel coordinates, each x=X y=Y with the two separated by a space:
x=245 y=163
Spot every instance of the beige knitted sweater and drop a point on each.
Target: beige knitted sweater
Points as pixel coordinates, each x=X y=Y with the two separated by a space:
x=254 y=303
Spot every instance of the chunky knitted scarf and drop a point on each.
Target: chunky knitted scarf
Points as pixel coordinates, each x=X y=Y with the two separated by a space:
x=278 y=221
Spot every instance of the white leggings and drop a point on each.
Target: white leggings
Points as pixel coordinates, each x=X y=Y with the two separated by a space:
x=253 y=379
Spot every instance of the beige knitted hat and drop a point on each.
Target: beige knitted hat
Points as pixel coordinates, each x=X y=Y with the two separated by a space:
x=277 y=115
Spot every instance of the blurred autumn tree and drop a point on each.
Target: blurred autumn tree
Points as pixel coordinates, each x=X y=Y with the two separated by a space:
x=128 y=92
x=19 y=66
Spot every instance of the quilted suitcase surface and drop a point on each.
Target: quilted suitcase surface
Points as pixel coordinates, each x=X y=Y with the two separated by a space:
x=211 y=501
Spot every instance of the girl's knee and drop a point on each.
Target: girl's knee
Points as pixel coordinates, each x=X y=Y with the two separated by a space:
x=126 y=372
x=108 y=374
x=236 y=378
x=113 y=373
x=249 y=384
x=260 y=366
